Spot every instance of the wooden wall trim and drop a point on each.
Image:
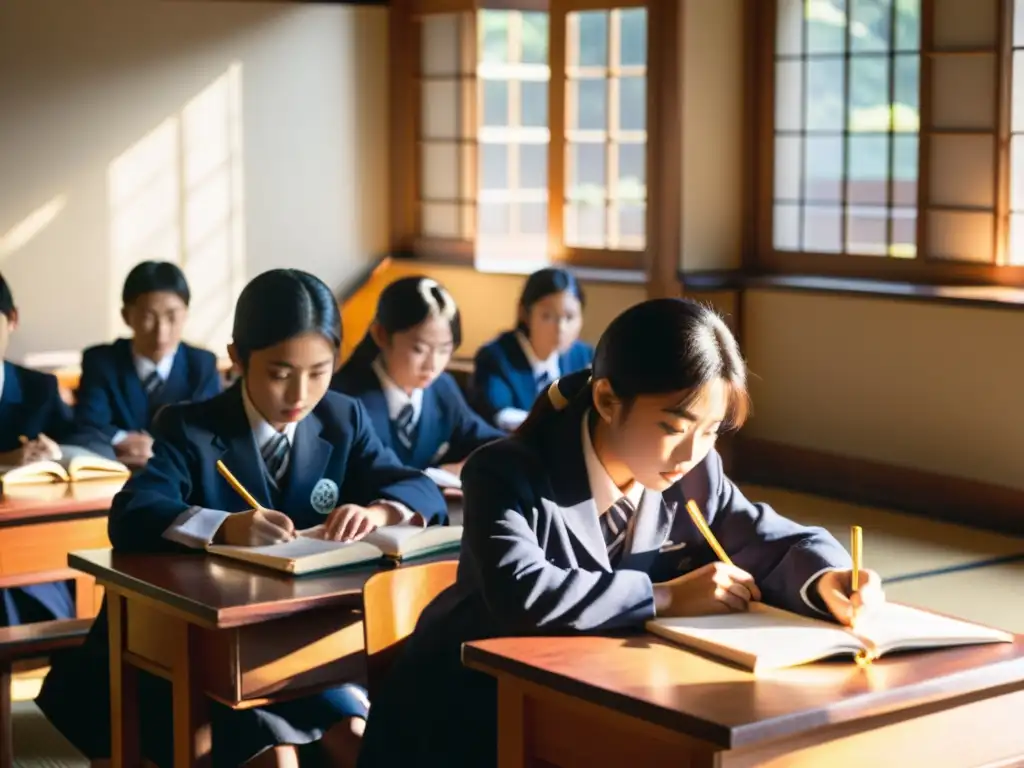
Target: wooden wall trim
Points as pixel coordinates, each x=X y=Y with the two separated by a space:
x=928 y=494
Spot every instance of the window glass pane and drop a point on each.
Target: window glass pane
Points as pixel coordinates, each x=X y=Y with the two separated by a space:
x=633 y=104
x=633 y=37
x=535 y=38
x=590 y=98
x=588 y=42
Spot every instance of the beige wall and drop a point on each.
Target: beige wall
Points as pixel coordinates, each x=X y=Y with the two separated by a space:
x=713 y=169
x=231 y=137
x=927 y=386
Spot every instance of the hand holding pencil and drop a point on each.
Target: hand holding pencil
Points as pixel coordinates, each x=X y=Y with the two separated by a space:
x=259 y=526
x=847 y=592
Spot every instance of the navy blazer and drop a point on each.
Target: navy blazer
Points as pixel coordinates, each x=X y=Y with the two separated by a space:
x=110 y=395
x=31 y=404
x=503 y=377
x=335 y=441
x=533 y=560
x=448 y=430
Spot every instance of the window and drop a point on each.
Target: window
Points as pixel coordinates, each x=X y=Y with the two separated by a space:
x=846 y=126
x=896 y=130
x=531 y=133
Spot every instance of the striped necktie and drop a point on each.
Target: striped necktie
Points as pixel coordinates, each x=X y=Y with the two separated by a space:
x=614 y=526
x=404 y=426
x=152 y=384
x=543 y=381
x=274 y=453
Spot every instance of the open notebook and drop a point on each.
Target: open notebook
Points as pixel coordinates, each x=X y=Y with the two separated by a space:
x=76 y=464
x=308 y=554
x=766 y=638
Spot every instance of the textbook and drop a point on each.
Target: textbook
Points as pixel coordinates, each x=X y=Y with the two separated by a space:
x=307 y=553
x=74 y=465
x=765 y=638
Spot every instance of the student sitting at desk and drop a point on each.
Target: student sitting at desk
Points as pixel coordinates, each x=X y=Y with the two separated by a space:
x=397 y=372
x=512 y=370
x=578 y=523
x=309 y=457
x=34 y=422
x=124 y=383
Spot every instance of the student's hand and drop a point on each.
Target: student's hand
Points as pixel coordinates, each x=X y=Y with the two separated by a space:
x=255 y=528
x=135 y=449
x=836 y=592
x=715 y=588
x=351 y=522
x=40 y=449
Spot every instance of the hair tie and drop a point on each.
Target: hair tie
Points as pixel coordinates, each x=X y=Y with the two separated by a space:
x=427 y=288
x=558 y=400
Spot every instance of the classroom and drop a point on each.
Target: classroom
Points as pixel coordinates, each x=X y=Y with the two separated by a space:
x=292 y=290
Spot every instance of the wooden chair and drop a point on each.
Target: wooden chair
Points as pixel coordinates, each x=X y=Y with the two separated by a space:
x=392 y=604
x=28 y=641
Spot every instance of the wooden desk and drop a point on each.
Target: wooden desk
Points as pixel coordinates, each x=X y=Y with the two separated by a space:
x=639 y=701
x=221 y=629
x=41 y=524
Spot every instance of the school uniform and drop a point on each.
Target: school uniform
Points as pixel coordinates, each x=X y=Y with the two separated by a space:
x=553 y=546
x=179 y=501
x=508 y=376
x=31 y=405
x=424 y=428
x=120 y=391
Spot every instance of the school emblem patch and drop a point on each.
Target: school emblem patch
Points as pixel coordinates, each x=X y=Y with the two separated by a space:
x=324 y=497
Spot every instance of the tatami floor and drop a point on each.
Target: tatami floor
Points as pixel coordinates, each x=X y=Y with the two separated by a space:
x=973 y=574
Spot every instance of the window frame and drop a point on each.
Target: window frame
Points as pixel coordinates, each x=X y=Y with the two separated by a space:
x=925 y=268
x=661 y=251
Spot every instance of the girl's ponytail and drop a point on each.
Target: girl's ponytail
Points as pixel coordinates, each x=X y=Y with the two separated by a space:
x=564 y=393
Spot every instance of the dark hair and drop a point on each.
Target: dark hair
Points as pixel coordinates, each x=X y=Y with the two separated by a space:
x=656 y=347
x=404 y=304
x=281 y=304
x=152 y=276
x=546 y=282
x=6 y=299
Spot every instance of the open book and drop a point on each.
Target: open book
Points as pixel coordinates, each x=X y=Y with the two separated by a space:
x=74 y=465
x=766 y=638
x=307 y=554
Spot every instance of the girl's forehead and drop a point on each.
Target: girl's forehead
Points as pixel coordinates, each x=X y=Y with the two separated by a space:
x=708 y=404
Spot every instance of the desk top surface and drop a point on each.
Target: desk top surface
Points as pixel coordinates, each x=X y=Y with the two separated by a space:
x=218 y=592
x=20 y=503
x=648 y=678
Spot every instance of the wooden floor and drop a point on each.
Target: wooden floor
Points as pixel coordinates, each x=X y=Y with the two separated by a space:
x=973 y=574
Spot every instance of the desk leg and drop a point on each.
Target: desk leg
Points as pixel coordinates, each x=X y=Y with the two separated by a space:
x=193 y=739
x=511 y=731
x=124 y=690
x=85 y=597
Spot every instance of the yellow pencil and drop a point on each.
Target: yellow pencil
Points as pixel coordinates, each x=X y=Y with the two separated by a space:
x=239 y=488
x=857 y=553
x=705 y=529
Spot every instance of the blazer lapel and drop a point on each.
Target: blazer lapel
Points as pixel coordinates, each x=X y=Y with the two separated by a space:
x=571 y=485
x=309 y=459
x=428 y=430
x=11 y=394
x=377 y=406
x=131 y=386
x=176 y=389
x=238 y=449
x=653 y=523
x=11 y=422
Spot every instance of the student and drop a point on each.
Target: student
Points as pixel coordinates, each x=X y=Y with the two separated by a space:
x=512 y=370
x=398 y=373
x=578 y=524
x=308 y=456
x=34 y=422
x=124 y=383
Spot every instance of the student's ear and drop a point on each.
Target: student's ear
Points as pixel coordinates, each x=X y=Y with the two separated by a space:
x=236 y=359
x=378 y=334
x=12 y=320
x=523 y=316
x=124 y=315
x=606 y=402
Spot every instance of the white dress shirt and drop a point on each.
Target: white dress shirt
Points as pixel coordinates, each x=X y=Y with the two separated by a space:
x=396 y=397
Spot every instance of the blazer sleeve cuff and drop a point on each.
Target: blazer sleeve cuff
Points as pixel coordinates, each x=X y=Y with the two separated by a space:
x=510 y=418
x=813 y=599
x=195 y=527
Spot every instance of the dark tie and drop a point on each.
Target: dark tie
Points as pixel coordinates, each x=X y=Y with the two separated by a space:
x=152 y=384
x=274 y=452
x=404 y=425
x=615 y=525
x=543 y=381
